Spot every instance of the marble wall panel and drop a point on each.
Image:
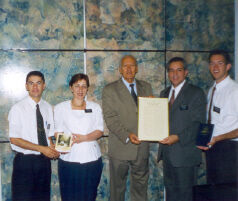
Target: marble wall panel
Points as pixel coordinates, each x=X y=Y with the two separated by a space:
x=41 y=24
x=58 y=67
x=200 y=25
x=126 y=24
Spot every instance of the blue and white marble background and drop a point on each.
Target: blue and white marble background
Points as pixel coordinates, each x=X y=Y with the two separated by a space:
x=47 y=35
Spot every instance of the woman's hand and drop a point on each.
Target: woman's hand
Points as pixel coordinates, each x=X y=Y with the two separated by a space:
x=77 y=138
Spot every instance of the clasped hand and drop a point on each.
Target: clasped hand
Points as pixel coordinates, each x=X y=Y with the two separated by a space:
x=77 y=138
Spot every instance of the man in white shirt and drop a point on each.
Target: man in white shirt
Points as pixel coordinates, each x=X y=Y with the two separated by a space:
x=221 y=158
x=30 y=128
x=187 y=109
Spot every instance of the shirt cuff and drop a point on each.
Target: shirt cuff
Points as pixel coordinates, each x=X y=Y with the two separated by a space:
x=127 y=140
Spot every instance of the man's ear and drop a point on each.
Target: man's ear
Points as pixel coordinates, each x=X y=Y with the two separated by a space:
x=120 y=70
x=44 y=86
x=186 y=72
x=136 y=69
x=26 y=87
x=228 y=67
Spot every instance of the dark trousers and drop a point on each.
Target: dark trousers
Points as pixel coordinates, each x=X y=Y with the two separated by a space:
x=222 y=162
x=31 y=178
x=79 y=182
x=179 y=182
x=139 y=174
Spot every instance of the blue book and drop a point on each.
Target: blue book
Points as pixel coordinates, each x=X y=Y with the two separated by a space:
x=204 y=134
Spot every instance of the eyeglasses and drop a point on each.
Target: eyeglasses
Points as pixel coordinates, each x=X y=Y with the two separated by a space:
x=32 y=83
x=84 y=87
x=219 y=63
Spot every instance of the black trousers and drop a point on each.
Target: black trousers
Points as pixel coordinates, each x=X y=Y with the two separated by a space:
x=222 y=162
x=31 y=178
x=79 y=181
x=179 y=182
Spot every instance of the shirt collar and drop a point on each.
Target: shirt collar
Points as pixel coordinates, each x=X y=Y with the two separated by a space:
x=222 y=84
x=178 y=88
x=127 y=83
x=32 y=103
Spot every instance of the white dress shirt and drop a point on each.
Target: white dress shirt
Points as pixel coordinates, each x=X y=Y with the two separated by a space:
x=70 y=121
x=128 y=85
x=177 y=90
x=23 y=124
x=224 y=110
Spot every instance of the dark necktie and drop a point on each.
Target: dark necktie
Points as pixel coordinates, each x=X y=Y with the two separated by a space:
x=210 y=106
x=40 y=128
x=134 y=96
x=171 y=101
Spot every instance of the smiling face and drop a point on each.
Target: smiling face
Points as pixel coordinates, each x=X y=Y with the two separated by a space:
x=35 y=87
x=218 y=67
x=177 y=73
x=128 y=68
x=79 y=89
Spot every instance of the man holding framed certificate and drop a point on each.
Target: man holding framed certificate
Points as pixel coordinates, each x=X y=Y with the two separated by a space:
x=126 y=152
x=187 y=109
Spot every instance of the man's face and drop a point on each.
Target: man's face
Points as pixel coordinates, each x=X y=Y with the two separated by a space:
x=177 y=73
x=35 y=87
x=218 y=67
x=128 y=69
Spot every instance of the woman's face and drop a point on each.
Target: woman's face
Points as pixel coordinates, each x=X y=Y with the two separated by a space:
x=79 y=89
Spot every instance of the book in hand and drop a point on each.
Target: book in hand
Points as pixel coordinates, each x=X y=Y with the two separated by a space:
x=204 y=134
x=63 y=142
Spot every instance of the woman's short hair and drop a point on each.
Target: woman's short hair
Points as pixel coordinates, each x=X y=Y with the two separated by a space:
x=77 y=77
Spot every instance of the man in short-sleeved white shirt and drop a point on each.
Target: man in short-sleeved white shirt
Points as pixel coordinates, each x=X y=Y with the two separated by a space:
x=222 y=156
x=31 y=167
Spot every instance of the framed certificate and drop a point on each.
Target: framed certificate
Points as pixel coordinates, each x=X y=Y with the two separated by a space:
x=63 y=142
x=153 y=120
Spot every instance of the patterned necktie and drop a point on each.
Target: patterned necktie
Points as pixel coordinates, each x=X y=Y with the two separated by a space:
x=40 y=128
x=171 y=101
x=210 y=106
x=134 y=96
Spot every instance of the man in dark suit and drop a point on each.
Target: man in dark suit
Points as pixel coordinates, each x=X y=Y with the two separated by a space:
x=187 y=108
x=119 y=103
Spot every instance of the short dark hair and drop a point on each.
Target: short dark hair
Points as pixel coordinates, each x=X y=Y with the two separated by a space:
x=77 y=77
x=222 y=53
x=177 y=59
x=35 y=73
x=128 y=55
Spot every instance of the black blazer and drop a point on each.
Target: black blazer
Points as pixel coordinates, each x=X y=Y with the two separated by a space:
x=185 y=115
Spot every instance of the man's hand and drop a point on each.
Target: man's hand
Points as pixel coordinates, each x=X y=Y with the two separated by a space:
x=203 y=148
x=134 y=139
x=210 y=144
x=170 y=140
x=49 y=152
x=213 y=141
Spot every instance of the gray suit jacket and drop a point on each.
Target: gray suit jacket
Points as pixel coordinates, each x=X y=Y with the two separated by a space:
x=185 y=115
x=121 y=116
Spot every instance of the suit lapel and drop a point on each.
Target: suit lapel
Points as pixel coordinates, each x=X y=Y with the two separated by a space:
x=166 y=93
x=139 y=88
x=124 y=92
x=179 y=97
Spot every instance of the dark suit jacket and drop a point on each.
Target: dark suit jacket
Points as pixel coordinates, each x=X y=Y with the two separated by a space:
x=185 y=115
x=121 y=116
